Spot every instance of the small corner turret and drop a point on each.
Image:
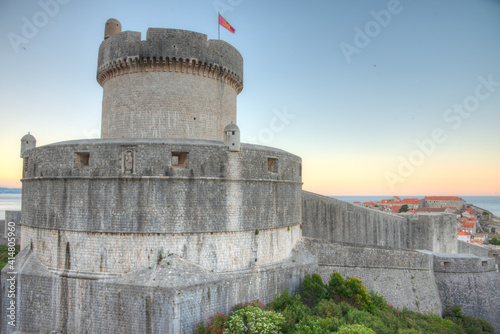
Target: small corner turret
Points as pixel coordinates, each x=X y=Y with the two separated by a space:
x=232 y=137
x=113 y=27
x=27 y=142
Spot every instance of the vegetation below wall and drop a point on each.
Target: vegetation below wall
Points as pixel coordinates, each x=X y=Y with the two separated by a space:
x=340 y=306
x=4 y=255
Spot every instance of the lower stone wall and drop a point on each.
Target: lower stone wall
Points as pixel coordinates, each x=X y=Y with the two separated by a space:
x=478 y=293
x=404 y=277
x=338 y=221
x=467 y=248
x=169 y=297
x=117 y=253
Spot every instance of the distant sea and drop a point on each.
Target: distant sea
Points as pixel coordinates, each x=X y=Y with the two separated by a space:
x=9 y=202
x=490 y=203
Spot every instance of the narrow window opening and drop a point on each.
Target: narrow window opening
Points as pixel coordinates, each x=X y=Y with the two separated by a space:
x=484 y=263
x=82 y=159
x=180 y=159
x=300 y=169
x=445 y=263
x=272 y=165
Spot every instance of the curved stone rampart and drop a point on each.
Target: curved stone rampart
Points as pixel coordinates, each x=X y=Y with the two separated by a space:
x=87 y=253
x=131 y=186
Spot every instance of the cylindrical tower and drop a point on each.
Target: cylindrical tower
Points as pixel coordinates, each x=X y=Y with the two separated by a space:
x=175 y=84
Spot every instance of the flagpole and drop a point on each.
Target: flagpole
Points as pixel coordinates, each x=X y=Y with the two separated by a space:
x=218 y=25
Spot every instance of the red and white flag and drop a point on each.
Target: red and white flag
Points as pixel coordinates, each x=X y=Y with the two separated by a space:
x=225 y=24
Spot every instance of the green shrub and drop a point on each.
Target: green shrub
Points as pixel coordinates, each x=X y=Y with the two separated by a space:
x=4 y=254
x=367 y=319
x=355 y=329
x=312 y=290
x=318 y=325
x=217 y=324
x=255 y=303
x=253 y=320
x=291 y=308
x=378 y=301
x=282 y=300
x=327 y=308
x=352 y=289
x=470 y=324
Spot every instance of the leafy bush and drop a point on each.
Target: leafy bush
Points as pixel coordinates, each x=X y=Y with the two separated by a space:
x=291 y=308
x=328 y=309
x=4 y=254
x=352 y=289
x=318 y=325
x=254 y=320
x=378 y=301
x=255 y=303
x=494 y=241
x=355 y=329
x=368 y=320
x=312 y=290
x=470 y=324
x=217 y=324
x=282 y=300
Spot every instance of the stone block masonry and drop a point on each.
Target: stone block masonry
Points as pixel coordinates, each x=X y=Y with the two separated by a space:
x=169 y=297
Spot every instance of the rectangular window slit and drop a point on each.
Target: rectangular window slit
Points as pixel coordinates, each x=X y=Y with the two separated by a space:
x=180 y=159
x=82 y=159
x=272 y=165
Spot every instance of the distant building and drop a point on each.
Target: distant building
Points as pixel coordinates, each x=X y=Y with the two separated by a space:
x=434 y=210
x=468 y=227
x=443 y=201
x=464 y=236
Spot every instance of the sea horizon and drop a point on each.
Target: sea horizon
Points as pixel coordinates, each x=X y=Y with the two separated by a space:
x=490 y=203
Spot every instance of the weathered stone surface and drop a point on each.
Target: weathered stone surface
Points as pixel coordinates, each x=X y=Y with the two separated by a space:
x=170 y=296
x=337 y=221
x=404 y=277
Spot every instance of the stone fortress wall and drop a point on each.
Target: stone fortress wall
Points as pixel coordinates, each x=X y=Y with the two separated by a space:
x=414 y=261
x=100 y=217
x=169 y=219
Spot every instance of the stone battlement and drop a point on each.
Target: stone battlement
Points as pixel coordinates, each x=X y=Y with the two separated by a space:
x=169 y=50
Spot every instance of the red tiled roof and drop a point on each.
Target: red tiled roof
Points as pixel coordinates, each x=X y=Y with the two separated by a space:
x=463 y=233
x=411 y=200
x=469 y=225
x=443 y=198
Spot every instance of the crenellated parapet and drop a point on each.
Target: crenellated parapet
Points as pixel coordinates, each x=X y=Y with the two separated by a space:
x=170 y=50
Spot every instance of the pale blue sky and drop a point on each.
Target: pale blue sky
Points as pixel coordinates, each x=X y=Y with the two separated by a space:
x=352 y=118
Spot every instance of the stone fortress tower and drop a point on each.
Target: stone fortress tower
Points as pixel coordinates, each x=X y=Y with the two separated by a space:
x=176 y=84
x=169 y=218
